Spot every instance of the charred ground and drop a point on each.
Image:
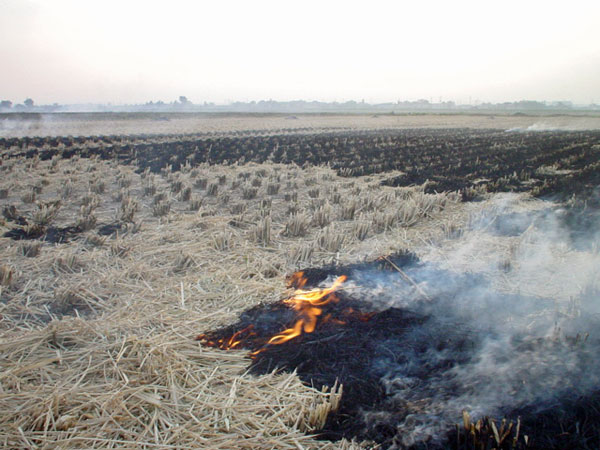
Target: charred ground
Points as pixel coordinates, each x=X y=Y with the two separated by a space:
x=466 y=160
x=358 y=343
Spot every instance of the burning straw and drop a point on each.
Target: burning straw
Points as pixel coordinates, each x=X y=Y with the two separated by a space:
x=97 y=330
x=96 y=343
x=411 y=361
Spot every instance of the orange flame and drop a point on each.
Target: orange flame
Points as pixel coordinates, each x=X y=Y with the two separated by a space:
x=296 y=280
x=307 y=303
x=227 y=344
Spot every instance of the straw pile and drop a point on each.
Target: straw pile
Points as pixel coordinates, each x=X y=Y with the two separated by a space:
x=97 y=327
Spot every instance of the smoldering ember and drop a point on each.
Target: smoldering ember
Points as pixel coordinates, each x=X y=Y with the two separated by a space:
x=332 y=281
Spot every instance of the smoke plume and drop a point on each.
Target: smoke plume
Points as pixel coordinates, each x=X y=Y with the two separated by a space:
x=512 y=319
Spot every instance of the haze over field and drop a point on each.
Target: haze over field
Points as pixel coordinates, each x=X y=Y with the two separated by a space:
x=320 y=225
x=67 y=51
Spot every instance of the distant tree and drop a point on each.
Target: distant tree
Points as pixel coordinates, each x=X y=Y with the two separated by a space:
x=5 y=104
x=183 y=100
x=28 y=103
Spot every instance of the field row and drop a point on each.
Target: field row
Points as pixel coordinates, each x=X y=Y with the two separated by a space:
x=98 y=206
x=470 y=161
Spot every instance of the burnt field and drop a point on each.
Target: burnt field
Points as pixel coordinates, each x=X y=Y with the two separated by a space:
x=465 y=160
x=297 y=287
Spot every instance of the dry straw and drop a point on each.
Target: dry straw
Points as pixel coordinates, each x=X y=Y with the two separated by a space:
x=97 y=340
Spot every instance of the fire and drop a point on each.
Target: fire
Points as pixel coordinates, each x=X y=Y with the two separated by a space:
x=226 y=344
x=296 y=280
x=307 y=303
x=309 y=306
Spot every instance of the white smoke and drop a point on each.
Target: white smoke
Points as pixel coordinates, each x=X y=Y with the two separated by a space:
x=540 y=126
x=513 y=311
x=544 y=126
x=12 y=125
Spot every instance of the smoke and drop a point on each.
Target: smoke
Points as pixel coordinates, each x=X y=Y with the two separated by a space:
x=539 y=126
x=11 y=125
x=542 y=126
x=512 y=307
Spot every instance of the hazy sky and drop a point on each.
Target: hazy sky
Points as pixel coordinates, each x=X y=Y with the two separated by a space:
x=222 y=50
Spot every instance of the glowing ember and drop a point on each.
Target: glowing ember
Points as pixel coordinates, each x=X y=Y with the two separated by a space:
x=226 y=344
